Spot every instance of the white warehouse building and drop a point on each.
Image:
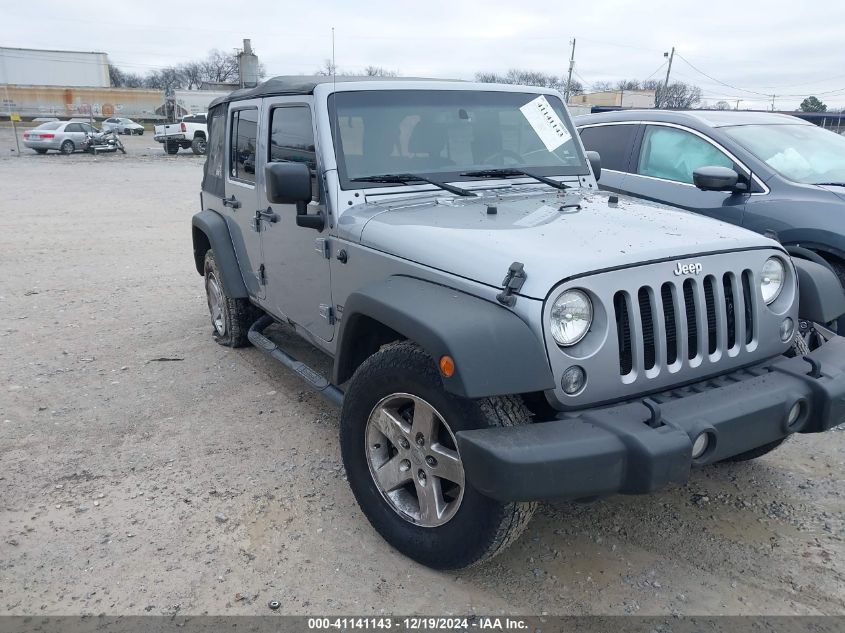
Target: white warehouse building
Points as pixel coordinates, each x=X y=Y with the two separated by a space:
x=34 y=67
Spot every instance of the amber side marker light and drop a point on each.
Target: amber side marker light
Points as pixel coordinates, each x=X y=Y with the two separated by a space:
x=447 y=366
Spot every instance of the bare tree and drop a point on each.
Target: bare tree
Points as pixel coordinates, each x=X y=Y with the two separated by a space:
x=530 y=78
x=678 y=95
x=192 y=75
x=220 y=67
x=379 y=71
x=722 y=105
x=167 y=79
x=122 y=79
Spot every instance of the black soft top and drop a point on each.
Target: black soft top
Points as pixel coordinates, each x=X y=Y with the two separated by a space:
x=300 y=85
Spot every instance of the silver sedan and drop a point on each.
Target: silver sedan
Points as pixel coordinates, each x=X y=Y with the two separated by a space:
x=122 y=125
x=62 y=136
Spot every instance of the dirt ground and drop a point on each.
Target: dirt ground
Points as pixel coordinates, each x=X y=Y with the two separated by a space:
x=145 y=469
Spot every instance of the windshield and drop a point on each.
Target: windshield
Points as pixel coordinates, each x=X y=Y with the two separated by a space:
x=444 y=133
x=802 y=153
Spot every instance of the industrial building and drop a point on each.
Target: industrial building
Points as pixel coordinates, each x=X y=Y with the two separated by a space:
x=33 y=67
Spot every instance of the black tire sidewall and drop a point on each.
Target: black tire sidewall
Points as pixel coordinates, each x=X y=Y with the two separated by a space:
x=67 y=143
x=468 y=535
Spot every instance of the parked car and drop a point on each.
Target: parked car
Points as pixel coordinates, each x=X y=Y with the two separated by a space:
x=777 y=175
x=501 y=331
x=62 y=136
x=123 y=125
x=190 y=132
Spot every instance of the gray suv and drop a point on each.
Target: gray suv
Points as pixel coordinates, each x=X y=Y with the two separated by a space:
x=499 y=330
x=780 y=176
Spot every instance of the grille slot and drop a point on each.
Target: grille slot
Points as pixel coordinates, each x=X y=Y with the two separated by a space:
x=747 y=281
x=692 y=322
x=681 y=322
x=623 y=332
x=710 y=303
x=647 y=319
x=668 y=299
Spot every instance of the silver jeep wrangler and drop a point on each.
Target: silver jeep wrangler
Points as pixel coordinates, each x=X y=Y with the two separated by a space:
x=501 y=331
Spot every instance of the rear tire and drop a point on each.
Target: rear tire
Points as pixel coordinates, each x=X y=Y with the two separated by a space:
x=198 y=146
x=67 y=147
x=422 y=505
x=230 y=318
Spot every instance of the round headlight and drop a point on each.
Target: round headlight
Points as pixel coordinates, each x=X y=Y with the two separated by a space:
x=771 y=279
x=572 y=314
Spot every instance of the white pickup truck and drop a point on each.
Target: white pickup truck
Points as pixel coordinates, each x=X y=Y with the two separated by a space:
x=191 y=131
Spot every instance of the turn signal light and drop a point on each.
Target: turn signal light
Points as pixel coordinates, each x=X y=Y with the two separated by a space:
x=447 y=366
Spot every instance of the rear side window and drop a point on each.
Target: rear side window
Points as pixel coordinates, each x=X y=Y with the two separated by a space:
x=612 y=142
x=673 y=154
x=74 y=127
x=243 y=144
x=292 y=139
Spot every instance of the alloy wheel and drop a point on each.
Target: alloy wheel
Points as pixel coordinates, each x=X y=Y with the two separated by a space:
x=413 y=459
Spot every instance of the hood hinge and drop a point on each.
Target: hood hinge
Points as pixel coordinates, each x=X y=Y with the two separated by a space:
x=513 y=283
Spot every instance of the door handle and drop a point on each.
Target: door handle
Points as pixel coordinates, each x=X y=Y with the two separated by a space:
x=232 y=202
x=267 y=214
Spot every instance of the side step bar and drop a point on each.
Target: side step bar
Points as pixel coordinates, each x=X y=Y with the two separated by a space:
x=313 y=378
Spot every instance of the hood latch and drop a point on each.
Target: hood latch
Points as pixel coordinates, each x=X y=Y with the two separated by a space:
x=513 y=283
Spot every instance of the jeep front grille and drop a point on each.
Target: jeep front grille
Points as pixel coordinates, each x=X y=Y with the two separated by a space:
x=677 y=323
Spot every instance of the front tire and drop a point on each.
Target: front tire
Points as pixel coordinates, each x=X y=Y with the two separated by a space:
x=230 y=318
x=397 y=439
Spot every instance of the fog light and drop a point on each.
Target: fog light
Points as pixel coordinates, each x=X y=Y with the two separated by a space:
x=699 y=446
x=794 y=413
x=573 y=380
x=787 y=329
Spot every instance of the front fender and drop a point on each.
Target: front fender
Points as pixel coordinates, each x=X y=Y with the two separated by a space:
x=495 y=352
x=210 y=231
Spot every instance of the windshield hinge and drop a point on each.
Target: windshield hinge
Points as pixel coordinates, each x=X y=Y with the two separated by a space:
x=321 y=245
x=262 y=275
x=513 y=283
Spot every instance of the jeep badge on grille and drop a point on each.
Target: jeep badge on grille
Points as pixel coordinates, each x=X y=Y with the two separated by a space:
x=687 y=269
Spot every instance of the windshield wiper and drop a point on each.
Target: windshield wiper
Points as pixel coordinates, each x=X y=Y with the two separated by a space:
x=404 y=179
x=510 y=172
x=829 y=184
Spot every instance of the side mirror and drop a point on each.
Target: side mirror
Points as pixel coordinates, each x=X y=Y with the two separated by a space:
x=595 y=163
x=715 y=178
x=288 y=183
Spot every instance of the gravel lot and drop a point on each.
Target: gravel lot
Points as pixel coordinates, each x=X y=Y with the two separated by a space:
x=145 y=469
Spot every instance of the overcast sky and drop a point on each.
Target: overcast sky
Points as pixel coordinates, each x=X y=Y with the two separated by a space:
x=791 y=49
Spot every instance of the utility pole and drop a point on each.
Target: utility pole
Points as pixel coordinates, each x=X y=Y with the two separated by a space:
x=671 y=56
x=773 y=102
x=571 y=66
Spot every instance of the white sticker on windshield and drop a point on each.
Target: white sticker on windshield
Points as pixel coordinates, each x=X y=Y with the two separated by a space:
x=545 y=121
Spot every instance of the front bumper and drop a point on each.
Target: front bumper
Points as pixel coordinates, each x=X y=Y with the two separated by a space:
x=635 y=448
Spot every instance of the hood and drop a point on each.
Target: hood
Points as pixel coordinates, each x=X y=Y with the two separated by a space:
x=555 y=235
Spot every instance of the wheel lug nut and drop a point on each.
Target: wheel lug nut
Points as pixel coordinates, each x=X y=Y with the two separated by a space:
x=420 y=439
x=404 y=465
x=404 y=443
x=421 y=476
x=431 y=461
